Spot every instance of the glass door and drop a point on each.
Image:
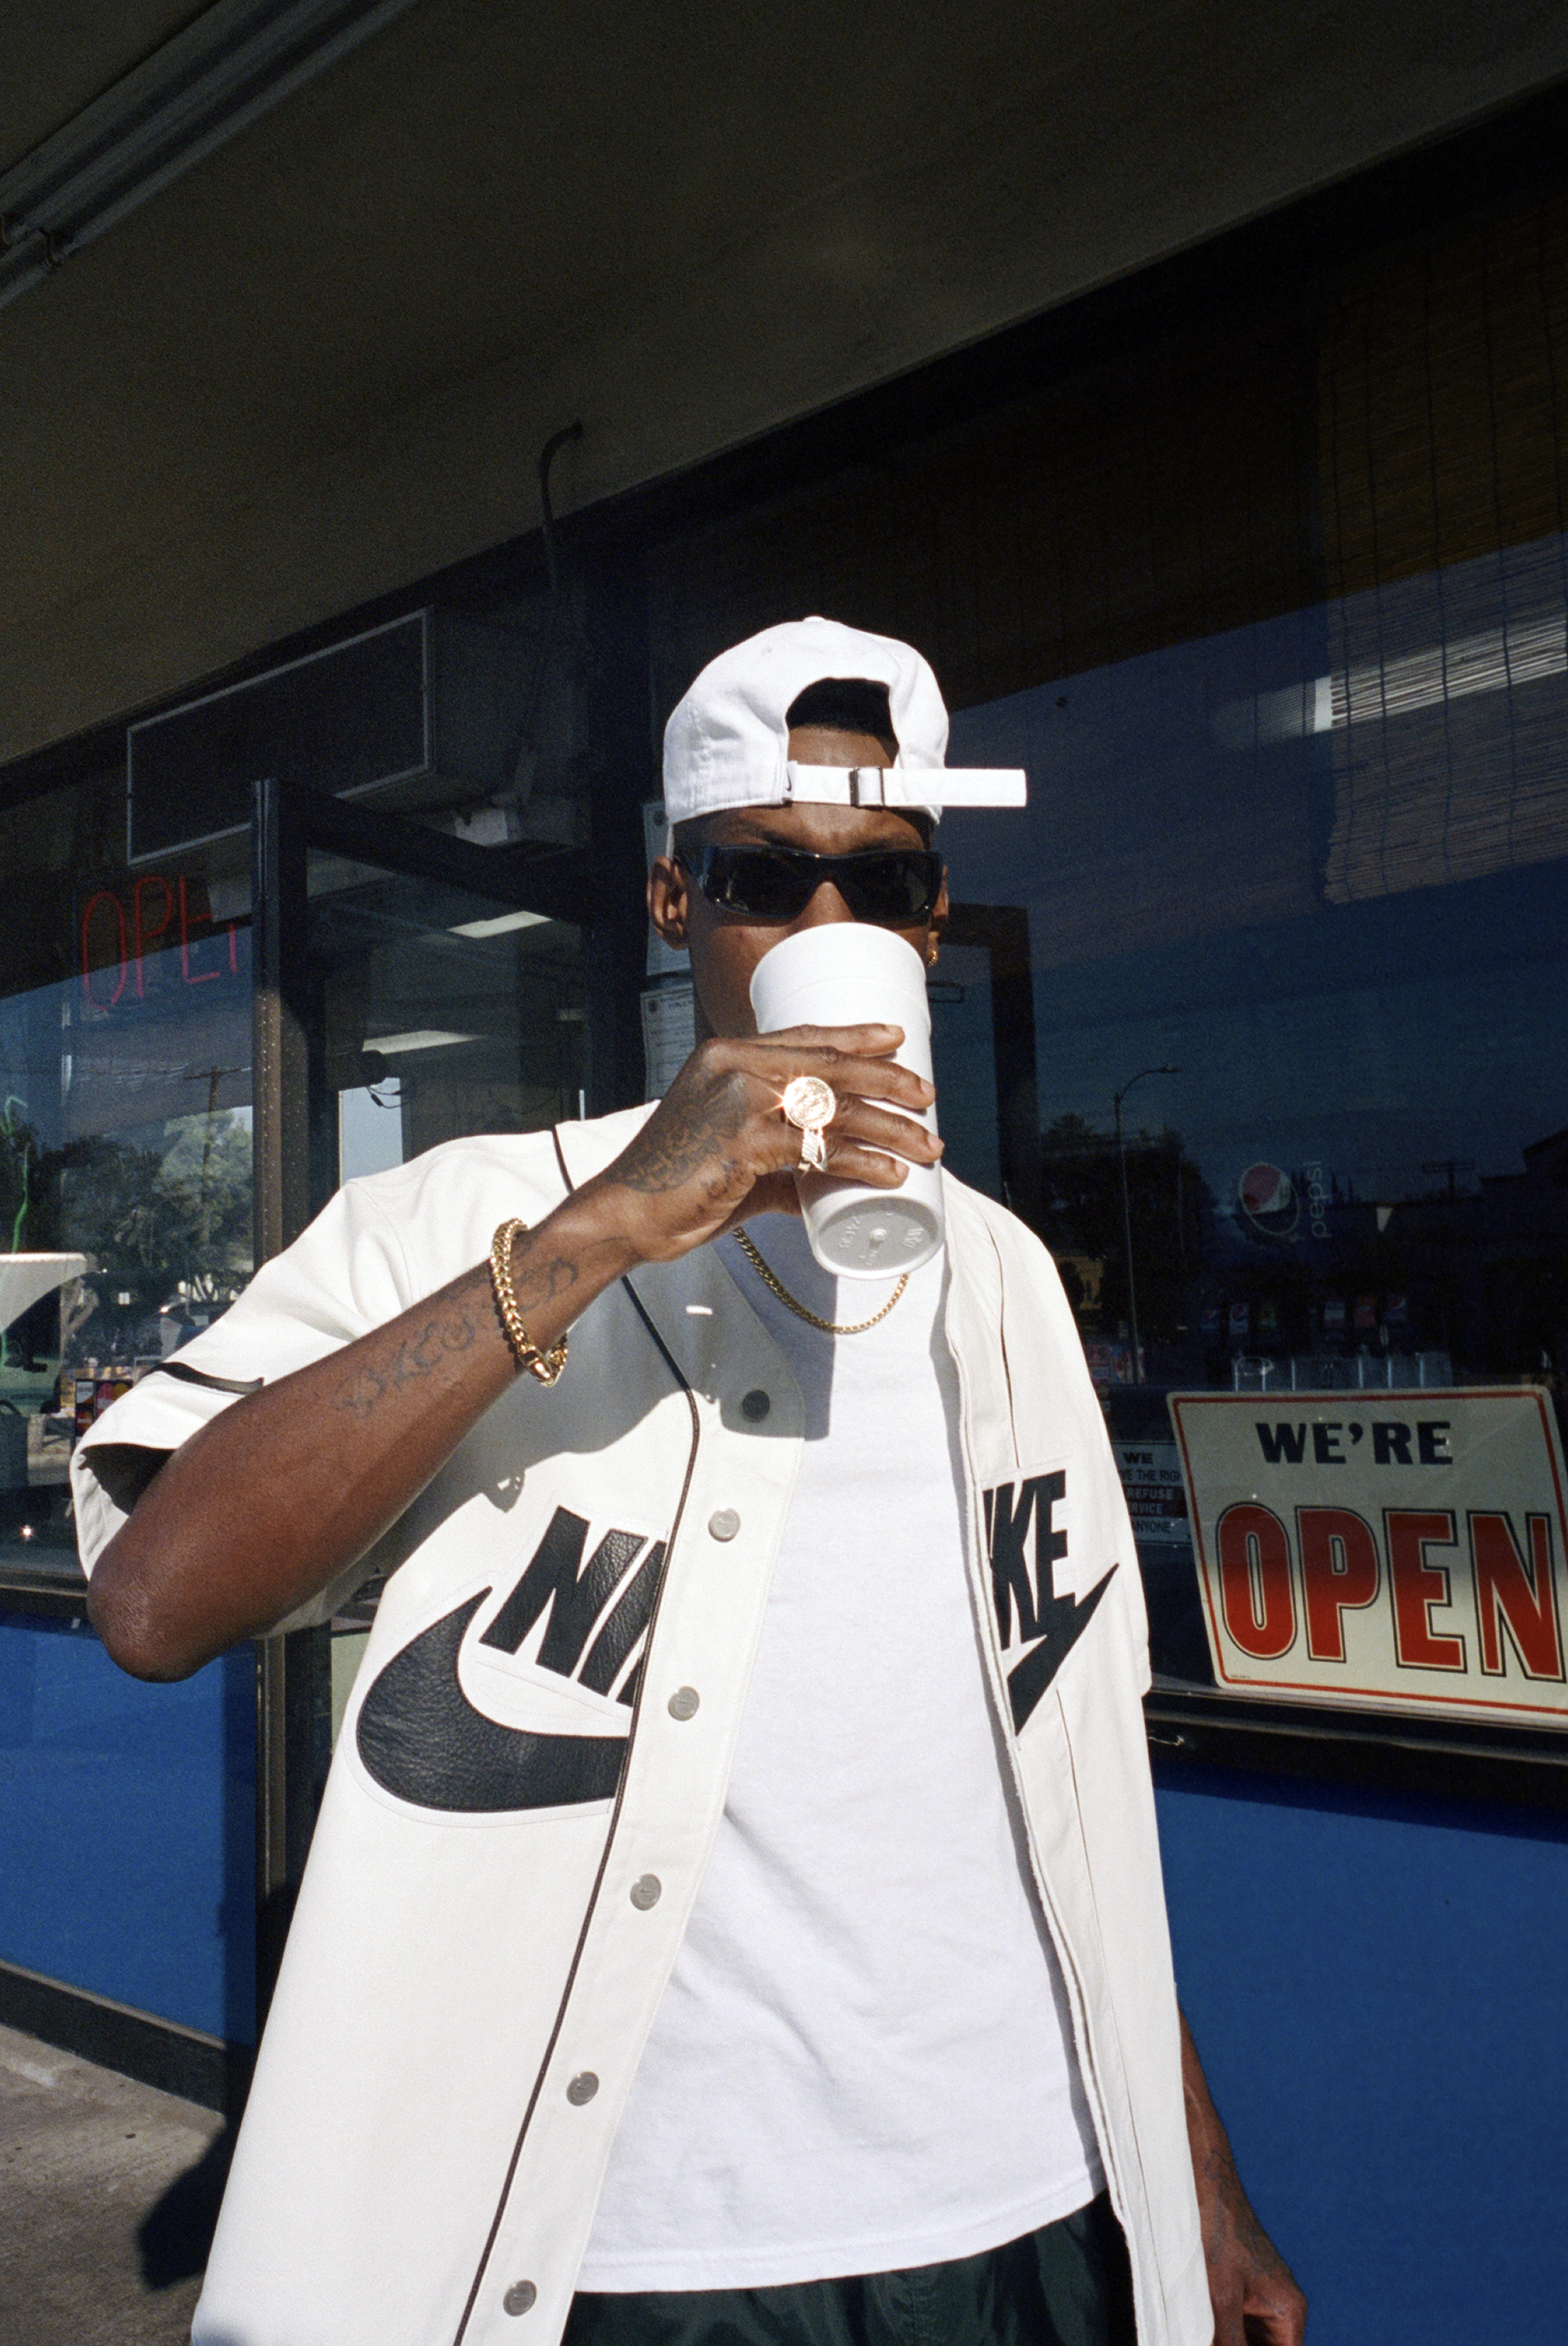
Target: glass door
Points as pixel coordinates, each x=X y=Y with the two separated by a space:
x=435 y=1013
x=411 y=989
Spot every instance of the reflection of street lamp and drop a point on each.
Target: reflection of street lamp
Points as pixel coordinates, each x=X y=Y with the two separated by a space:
x=1127 y=1211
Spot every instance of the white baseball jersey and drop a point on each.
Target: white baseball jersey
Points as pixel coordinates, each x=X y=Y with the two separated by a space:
x=540 y=1731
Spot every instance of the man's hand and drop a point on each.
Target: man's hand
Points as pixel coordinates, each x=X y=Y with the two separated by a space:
x=1255 y=2297
x=718 y=1149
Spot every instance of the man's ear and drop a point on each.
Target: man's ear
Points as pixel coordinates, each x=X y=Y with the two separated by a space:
x=669 y=901
x=941 y=910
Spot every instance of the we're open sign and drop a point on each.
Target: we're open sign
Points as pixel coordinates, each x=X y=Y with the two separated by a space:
x=1382 y=1549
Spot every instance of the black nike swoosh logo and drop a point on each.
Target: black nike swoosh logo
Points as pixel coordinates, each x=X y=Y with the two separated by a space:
x=424 y=1742
x=1063 y=1620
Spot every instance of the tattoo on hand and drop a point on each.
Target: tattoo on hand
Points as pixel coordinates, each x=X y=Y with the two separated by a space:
x=660 y=1160
x=412 y=1357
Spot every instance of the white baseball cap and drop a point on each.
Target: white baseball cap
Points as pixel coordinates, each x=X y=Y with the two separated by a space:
x=728 y=743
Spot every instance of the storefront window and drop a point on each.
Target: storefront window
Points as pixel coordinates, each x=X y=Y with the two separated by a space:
x=1299 y=893
x=1256 y=1015
x=124 y=1129
x=125 y=1013
x=125 y=1227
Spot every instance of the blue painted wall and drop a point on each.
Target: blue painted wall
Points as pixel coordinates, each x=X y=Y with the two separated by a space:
x=127 y=1834
x=1379 y=1988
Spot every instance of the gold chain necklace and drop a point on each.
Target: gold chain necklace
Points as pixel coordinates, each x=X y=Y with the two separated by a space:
x=829 y=1327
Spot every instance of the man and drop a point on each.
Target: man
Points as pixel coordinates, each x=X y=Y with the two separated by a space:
x=735 y=1911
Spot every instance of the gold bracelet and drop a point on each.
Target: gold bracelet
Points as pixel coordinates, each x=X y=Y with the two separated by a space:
x=545 y=1366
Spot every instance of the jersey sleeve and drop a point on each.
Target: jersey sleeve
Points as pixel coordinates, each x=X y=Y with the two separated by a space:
x=344 y=1276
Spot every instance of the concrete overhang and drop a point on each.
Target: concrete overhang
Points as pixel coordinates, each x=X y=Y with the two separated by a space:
x=319 y=366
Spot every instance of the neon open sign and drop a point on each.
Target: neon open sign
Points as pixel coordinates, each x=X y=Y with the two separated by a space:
x=118 y=931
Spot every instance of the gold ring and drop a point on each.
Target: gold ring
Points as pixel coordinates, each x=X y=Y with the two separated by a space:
x=808 y=1103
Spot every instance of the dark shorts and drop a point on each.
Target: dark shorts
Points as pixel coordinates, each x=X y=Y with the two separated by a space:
x=1066 y=2285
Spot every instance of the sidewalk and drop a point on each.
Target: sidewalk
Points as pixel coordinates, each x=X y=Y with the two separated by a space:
x=107 y=2193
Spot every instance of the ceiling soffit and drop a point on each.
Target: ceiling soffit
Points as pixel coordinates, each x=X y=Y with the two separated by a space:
x=319 y=366
x=60 y=58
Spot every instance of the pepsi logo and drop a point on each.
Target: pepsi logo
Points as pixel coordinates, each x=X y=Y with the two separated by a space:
x=1270 y=1199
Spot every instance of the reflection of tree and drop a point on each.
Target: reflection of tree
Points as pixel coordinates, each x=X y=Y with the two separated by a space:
x=151 y=1219
x=207 y=1173
x=1080 y=1216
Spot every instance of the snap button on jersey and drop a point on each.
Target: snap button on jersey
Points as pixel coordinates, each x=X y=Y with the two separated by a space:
x=724 y=1523
x=583 y=2089
x=755 y=1404
x=647 y=1890
x=683 y=1702
x=520 y=2297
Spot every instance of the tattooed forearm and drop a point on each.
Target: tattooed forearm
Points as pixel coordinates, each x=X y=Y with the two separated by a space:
x=420 y=1354
x=541 y=1282
x=401 y=1361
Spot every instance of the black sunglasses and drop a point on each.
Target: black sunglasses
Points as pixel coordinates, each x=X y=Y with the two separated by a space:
x=892 y=887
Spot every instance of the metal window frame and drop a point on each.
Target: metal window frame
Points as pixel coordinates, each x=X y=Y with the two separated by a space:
x=420 y=619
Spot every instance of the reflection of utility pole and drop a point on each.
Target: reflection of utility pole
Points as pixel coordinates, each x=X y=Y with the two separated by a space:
x=1128 y=1211
x=214 y=1075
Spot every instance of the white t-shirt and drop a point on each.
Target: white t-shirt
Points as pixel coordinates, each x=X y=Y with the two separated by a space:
x=863 y=2057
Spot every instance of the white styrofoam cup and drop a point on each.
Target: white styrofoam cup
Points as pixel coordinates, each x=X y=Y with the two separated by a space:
x=848 y=973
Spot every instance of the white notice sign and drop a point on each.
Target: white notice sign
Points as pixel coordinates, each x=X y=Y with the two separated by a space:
x=670 y=1036
x=1152 y=1486
x=1382 y=1550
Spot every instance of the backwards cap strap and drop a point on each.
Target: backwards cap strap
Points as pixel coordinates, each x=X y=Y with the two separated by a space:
x=906 y=786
